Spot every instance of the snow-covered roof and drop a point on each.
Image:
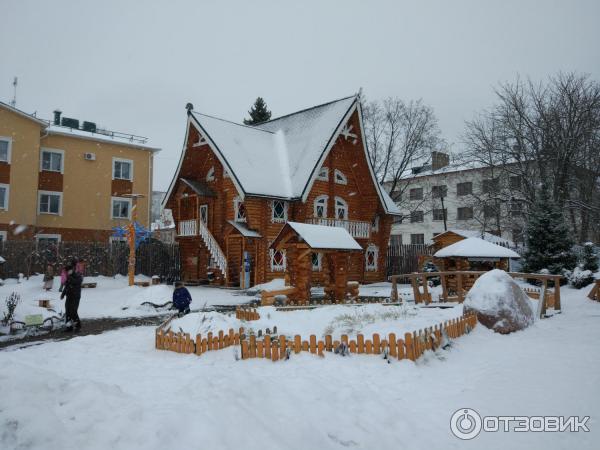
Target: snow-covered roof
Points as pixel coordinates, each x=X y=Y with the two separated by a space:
x=23 y=114
x=474 y=247
x=290 y=149
x=321 y=237
x=100 y=137
x=243 y=229
x=478 y=234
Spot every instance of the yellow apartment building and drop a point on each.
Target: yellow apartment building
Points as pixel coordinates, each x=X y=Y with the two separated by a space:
x=63 y=182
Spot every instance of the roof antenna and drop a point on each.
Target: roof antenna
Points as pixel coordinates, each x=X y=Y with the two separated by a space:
x=13 y=102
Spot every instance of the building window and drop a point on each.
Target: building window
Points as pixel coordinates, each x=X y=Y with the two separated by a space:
x=491 y=185
x=371 y=256
x=375 y=224
x=278 y=260
x=203 y=209
x=439 y=191
x=339 y=177
x=416 y=216
x=48 y=238
x=321 y=206
x=5 y=146
x=52 y=160
x=517 y=208
x=4 y=194
x=120 y=208
x=341 y=209
x=210 y=176
x=279 y=211
x=416 y=194
x=239 y=210
x=417 y=239
x=122 y=169
x=323 y=174
x=464 y=213
x=3 y=235
x=465 y=188
x=317 y=261
x=440 y=214
x=50 y=202
x=515 y=183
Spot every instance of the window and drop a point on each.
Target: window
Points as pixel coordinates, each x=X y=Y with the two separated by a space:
x=416 y=194
x=417 y=239
x=279 y=211
x=4 y=194
x=239 y=210
x=339 y=177
x=375 y=224
x=416 y=216
x=341 y=209
x=317 y=261
x=517 y=207
x=439 y=191
x=278 y=260
x=49 y=202
x=203 y=210
x=440 y=214
x=371 y=256
x=3 y=236
x=321 y=206
x=323 y=174
x=52 y=160
x=5 y=146
x=491 y=185
x=489 y=211
x=515 y=183
x=464 y=213
x=122 y=169
x=465 y=188
x=48 y=238
x=210 y=175
x=120 y=208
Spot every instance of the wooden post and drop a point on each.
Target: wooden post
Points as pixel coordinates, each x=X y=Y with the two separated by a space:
x=328 y=343
x=274 y=352
x=425 y=290
x=392 y=344
x=416 y=290
x=557 y=306
x=210 y=341
x=360 y=342
x=401 y=353
x=410 y=349
x=297 y=343
x=459 y=286
x=244 y=349
x=368 y=347
x=313 y=343
x=267 y=344
x=376 y=344
x=394 y=293
x=444 y=287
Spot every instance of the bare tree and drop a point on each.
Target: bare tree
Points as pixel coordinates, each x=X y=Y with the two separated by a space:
x=545 y=133
x=398 y=134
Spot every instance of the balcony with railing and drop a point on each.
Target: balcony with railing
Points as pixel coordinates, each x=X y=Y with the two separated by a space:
x=187 y=227
x=357 y=229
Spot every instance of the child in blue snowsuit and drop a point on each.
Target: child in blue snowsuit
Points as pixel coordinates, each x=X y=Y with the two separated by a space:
x=181 y=298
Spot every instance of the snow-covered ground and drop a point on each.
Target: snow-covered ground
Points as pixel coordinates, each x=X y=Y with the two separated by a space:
x=116 y=391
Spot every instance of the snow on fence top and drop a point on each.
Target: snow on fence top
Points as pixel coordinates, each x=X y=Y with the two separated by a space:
x=475 y=248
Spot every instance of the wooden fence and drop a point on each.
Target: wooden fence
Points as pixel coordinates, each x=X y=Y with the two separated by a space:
x=246 y=313
x=279 y=347
x=101 y=258
x=404 y=258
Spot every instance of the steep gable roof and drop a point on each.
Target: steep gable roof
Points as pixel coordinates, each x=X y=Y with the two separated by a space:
x=279 y=158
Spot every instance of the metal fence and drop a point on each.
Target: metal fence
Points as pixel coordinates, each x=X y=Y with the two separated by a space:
x=100 y=258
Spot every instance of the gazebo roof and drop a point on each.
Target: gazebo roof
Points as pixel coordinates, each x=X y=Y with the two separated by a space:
x=319 y=237
x=475 y=248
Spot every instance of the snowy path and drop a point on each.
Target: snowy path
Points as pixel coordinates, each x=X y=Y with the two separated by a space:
x=115 y=391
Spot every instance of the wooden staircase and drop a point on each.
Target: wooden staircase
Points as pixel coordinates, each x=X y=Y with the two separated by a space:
x=214 y=249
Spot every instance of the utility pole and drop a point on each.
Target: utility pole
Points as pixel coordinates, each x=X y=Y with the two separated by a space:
x=13 y=102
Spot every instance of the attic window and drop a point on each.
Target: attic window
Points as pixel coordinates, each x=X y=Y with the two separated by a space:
x=339 y=177
x=200 y=141
x=210 y=176
x=321 y=206
x=279 y=211
x=278 y=260
x=323 y=174
x=239 y=210
x=371 y=256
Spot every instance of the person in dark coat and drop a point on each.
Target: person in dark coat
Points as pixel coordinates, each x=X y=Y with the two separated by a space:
x=72 y=291
x=181 y=298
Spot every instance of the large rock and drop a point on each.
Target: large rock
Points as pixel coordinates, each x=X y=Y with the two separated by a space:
x=499 y=302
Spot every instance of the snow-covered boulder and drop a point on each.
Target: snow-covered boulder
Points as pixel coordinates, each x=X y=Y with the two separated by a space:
x=499 y=302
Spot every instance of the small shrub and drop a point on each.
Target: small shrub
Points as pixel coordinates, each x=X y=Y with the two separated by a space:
x=581 y=278
x=11 y=304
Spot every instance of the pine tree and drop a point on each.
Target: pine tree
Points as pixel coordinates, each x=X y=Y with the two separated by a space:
x=589 y=258
x=258 y=113
x=549 y=246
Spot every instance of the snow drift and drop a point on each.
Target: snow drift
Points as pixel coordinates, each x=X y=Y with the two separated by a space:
x=499 y=302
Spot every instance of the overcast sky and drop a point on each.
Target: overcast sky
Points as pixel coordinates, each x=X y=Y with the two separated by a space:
x=132 y=66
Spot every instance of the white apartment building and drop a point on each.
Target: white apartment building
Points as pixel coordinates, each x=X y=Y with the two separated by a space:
x=465 y=194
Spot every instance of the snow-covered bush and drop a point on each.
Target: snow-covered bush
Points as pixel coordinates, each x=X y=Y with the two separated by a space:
x=581 y=278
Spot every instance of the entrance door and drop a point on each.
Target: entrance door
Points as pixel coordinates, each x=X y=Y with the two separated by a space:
x=204 y=214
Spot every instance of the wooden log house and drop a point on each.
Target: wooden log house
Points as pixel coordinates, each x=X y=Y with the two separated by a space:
x=236 y=187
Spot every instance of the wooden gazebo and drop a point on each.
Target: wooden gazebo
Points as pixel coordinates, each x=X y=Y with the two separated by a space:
x=300 y=240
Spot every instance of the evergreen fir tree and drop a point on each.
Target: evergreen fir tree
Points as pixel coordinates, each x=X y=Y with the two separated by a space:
x=589 y=258
x=258 y=113
x=549 y=245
